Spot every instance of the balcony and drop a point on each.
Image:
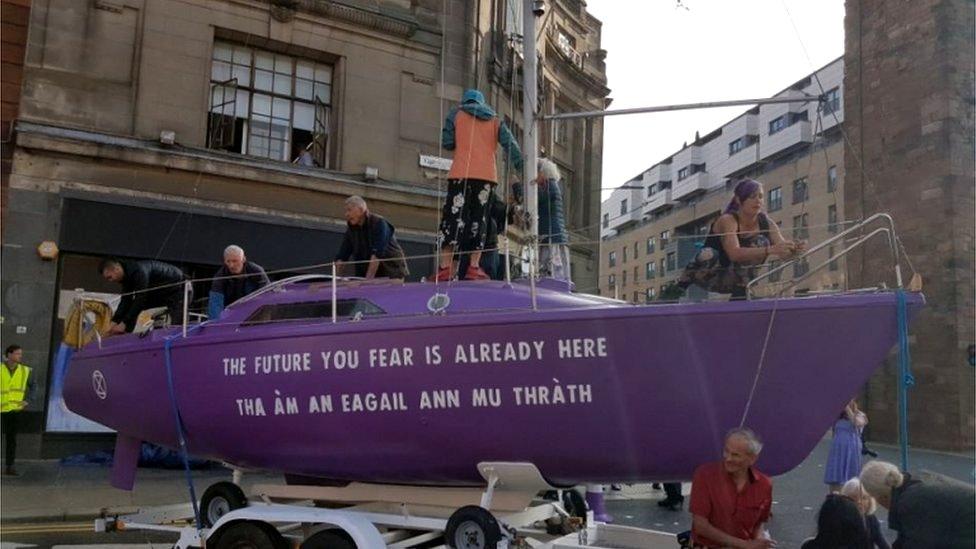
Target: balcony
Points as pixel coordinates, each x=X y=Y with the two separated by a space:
x=743 y=158
x=693 y=184
x=659 y=201
x=799 y=132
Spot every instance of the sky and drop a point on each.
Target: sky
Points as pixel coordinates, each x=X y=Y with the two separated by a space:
x=662 y=52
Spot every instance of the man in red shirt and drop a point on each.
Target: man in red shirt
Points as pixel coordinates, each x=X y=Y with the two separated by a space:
x=730 y=500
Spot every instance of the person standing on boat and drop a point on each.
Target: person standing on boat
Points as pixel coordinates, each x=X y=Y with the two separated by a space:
x=370 y=241
x=844 y=459
x=146 y=284
x=473 y=131
x=553 y=247
x=17 y=391
x=934 y=513
x=234 y=280
x=491 y=261
x=731 y=499
x=740 y=239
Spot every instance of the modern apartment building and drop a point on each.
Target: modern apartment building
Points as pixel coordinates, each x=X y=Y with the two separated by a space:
x=652 y=224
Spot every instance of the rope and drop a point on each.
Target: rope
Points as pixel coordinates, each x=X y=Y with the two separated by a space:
x=180 y=427
x=907 y=379
x=762 y=362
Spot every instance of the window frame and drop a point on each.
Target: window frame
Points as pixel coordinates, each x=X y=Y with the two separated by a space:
x=777 y=204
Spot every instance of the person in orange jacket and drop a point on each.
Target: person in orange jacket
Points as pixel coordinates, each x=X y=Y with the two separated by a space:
x=473 y=131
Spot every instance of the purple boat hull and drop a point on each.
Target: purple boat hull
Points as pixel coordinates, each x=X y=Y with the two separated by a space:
x=595 y=393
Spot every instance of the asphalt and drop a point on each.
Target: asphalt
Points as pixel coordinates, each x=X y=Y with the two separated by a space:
x=52 y=494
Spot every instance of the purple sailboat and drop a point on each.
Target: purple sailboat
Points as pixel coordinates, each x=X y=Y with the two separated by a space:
x=414 y=383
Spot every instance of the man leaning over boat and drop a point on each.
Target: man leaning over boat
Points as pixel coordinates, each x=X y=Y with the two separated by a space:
x=234 y=280
x=370 y=243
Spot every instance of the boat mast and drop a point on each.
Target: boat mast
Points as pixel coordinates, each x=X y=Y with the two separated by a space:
x=530 y=144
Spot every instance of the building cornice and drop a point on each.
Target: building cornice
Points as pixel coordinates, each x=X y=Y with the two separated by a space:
x=87 y=143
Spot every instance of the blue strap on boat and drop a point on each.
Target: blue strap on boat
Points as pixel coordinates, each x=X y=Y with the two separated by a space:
x=180 y=429
x=906 y=378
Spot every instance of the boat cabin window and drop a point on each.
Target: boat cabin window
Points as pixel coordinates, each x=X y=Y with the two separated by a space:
x=313 y=310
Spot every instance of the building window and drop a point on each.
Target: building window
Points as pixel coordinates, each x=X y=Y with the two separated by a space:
x=651 y=189
x=665 y=236
x=636 y=273
x=832 y=218
x=625 y=254
x=831 y=179
x=650 y=245
x=636 y=249
x=269 y=105
x=606 y=220
x=833 y=264
x=774 y=277
x=831 y=102
x=662 y=289
x=737 y=145
x=800 y=190
x=649 y=270
x=560 y=131
x=612 y=281
x=672 y=261
x=649 y=295
x=777 y=124
x=612 y=258
x=800 y=227
x=623 y=206
x=800 y=268
x=623 y=279
x=663 y=268
x=776 y=199
x=683 y=173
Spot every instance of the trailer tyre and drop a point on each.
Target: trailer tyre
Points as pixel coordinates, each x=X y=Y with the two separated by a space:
x=248 y=535
x=472 y=527
x=220 y=499
x=329 y=539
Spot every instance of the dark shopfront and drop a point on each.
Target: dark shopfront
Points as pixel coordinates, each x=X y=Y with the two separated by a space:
x=192 y=240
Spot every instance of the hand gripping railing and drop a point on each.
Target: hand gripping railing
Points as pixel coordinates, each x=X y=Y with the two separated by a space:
x=889 y=230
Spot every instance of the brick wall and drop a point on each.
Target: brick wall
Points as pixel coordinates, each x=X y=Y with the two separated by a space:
x=909 y=114
x=14 y=15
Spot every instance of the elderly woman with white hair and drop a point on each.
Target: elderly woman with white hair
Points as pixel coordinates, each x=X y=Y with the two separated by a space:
x=553 y=242
x=933 y=514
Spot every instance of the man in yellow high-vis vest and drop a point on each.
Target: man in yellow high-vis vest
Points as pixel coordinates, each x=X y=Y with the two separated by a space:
x=16 y=389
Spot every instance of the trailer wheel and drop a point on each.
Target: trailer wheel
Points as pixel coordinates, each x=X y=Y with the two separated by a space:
x=220 y=499
x=329 y=539
x=472 y=527
x=247 y=534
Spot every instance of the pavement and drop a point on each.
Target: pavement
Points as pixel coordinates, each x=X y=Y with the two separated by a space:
x=48 y=492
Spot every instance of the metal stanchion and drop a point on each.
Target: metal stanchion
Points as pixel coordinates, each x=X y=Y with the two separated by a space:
x=186 y=304
x=334 y=306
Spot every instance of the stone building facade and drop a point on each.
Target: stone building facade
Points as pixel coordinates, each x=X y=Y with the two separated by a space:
x=652 y=224
x=170 y=128
x=909 y=83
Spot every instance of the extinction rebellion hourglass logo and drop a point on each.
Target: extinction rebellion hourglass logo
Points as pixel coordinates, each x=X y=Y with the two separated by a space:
x=98 y=383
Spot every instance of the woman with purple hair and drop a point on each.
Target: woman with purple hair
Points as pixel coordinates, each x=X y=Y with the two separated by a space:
x=741 y=238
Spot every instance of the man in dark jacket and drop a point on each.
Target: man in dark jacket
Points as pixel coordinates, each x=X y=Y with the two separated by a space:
x=370 y=242
x=234 y=280
x=138 y=278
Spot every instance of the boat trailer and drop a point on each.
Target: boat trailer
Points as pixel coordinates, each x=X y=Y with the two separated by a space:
x=504 y=513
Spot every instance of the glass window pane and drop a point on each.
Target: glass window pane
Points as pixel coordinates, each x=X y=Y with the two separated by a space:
x=221 y=99
x=242 y=55
x=281 y=108
x=222 y=51
x=264 y=60
x=279 y=150
x=243 y=75
x=262 y=104
x=220 y=71
x=262 y=80
x=283 y=64
x=260 y=126
x=282 y=84
x=257 y=146
x=242 y=103
x=323 y=92
x=303 y=89
x=323 y=73
x=304 y=69
x=304 y=116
